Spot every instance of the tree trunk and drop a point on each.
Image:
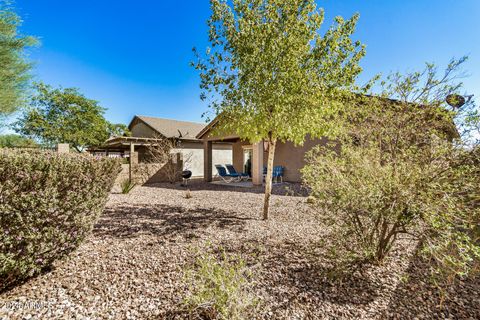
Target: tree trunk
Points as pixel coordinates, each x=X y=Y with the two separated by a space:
x=268 y=179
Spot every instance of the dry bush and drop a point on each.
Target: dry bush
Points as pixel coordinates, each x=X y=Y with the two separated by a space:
x=162 y=155
x=219 y=288
x=371 y=204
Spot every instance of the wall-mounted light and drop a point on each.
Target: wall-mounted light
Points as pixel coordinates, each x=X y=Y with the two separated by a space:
x=265 y=146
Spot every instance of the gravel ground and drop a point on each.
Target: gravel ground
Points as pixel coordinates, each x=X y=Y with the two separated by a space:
x=131 y=266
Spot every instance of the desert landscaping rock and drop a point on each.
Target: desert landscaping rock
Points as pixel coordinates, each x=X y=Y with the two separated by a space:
x=131 y=267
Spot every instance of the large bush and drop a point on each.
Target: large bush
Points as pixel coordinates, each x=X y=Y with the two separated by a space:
x=371 y=204
x=404 y=171
x=48 y=205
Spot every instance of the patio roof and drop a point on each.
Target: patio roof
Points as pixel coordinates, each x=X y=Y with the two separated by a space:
x=208 y=128
x=124 y=143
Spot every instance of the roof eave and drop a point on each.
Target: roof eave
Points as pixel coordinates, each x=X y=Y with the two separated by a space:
x=207 y=128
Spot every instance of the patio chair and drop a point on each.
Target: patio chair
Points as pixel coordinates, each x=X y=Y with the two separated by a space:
x=226 y=177
x=231 y=170
x=278 y=173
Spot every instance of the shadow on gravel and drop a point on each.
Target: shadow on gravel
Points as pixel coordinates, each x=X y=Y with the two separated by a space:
x=295 y=273
x=417 y=296
x=127 y=221
x=306 y=273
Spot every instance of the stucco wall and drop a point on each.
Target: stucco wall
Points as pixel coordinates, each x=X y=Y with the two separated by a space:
x=193 y=156
x=293 y=157
x=286 y=154
x=220 y=156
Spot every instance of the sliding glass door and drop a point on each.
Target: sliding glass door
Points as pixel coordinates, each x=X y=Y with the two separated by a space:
x=247 y=161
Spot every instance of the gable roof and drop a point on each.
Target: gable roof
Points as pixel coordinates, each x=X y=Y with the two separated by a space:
x=207 y=128
x=170 y=128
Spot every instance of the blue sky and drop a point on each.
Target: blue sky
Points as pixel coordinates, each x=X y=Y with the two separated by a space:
x=133 y=56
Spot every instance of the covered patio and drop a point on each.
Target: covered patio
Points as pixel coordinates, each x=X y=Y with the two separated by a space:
x=251 y=158
x=132 y=148
x=246 y=157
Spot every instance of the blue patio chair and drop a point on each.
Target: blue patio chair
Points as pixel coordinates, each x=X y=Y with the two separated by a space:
x=231 y=170
x=278 y=173
x=227 y=177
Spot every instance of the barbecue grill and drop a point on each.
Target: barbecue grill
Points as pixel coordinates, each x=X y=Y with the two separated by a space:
x=186 y=175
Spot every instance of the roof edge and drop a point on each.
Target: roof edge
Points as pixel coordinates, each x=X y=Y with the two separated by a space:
x=145 y=123
x=207 y=128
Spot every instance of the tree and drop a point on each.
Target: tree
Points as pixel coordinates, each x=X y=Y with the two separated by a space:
x=14 y=66
x=270 y=75
x=66 y=116
x=16 y=141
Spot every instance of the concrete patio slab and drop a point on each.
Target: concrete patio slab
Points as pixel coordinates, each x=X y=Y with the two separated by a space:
x=241 y=184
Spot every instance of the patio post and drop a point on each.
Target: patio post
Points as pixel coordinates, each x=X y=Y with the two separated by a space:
x=257 y=164
x=207 y=161
x=130 y=161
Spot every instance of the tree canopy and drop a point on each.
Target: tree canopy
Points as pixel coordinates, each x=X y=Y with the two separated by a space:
x=270 y=73
x=14 y=66
x=16 y=141
x=66 y=116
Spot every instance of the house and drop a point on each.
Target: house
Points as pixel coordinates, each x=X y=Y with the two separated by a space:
x=253 y=157
x=145 y=130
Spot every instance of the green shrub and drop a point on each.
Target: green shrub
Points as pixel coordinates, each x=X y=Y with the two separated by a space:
x=371 y=203
x=127 y=186
x=408 y=168
x=220 y=288
x=48 y=205
x=16 y=141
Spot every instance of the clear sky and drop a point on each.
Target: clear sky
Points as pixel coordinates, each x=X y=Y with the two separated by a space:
x=133 y=56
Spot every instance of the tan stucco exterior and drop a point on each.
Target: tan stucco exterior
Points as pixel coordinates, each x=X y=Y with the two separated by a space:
x=293 y=157
x=286 y=154
x=140 y=129
x=230 y=149
x=238 y=160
